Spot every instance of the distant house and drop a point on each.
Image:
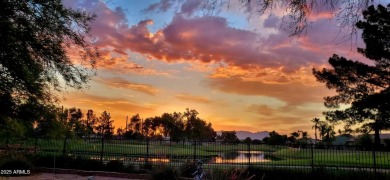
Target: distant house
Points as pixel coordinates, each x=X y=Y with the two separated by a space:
x=343 y=140
x=382 y=136
x=351 y=140
x=313 y=141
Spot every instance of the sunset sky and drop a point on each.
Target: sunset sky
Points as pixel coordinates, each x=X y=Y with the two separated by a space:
x=238 y=69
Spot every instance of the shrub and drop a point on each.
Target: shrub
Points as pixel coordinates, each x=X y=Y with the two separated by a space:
x=86 y=164
x=365 y=141
x=50 y=161
x=256 y=141
x=16 y=162
x=147 y=166
x=115 y=165
x=319 y=173
x=187 y=169
x=67 y=162
x=163 y=172
x=128 y=168
x=387 y=143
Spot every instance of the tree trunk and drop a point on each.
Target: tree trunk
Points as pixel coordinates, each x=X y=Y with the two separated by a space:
x=377 y=139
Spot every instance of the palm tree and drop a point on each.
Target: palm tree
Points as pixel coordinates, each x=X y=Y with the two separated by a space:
x=304 y=136
x=327 y=132
x=294 y=136
x=316 y=122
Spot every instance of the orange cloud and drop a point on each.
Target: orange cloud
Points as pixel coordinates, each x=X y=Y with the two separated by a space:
x=122 y=64
x=291 y=93
x=86 y=101
x=192 y=98
x=122 y=83
x=282 y=125
x=266 y=75
x=261 y=109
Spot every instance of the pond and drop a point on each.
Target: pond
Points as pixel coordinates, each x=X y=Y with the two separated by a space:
x=240 y=157
x=230 y=157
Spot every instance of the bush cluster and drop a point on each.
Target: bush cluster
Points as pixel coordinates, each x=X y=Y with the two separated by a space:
x=15 y=162
x=162 y=171
x=80 y=163
x=258 y=173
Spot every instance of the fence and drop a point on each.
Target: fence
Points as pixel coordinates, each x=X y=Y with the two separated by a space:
x=213 y=154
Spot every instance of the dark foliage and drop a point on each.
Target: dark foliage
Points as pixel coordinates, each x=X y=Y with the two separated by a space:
x=147 y=166
x=16 y=162
x=68 y=162
x=255 y=173
x=163 y=172
x=36 y=37
x=187 y=169
x=366 y=87
x=115 y=165
x=275 y=138
x=365 y=142
x=228 y=137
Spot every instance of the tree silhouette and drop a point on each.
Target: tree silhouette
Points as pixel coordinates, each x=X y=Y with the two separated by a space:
x=327 y=132
x=147 y=127
x=49 y=126
x=275 y=138
x=135 y=123
x=304 y=136
x=316 y=122
x=196 y=128
x=36 y=37
x=177 y=133
x=105 y=127
x=90 y=122
x=293 y=137
x=120 y=132
x=247 y=140
x=73 y=120
x=365 y=87
x=365 y=141
x=175 y=126
x=346 y=131
x=227 y=137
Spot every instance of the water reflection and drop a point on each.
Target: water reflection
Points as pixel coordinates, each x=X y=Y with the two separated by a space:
x=240 y=157
x=165 y=160
x=136 y=159
x=226 y=157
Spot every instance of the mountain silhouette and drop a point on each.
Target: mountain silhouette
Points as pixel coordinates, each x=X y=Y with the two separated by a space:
x=244 y=134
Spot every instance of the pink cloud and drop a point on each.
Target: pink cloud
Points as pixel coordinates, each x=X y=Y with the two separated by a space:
x=210 y=39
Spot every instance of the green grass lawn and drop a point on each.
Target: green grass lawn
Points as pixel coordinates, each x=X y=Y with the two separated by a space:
x=278 y=155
